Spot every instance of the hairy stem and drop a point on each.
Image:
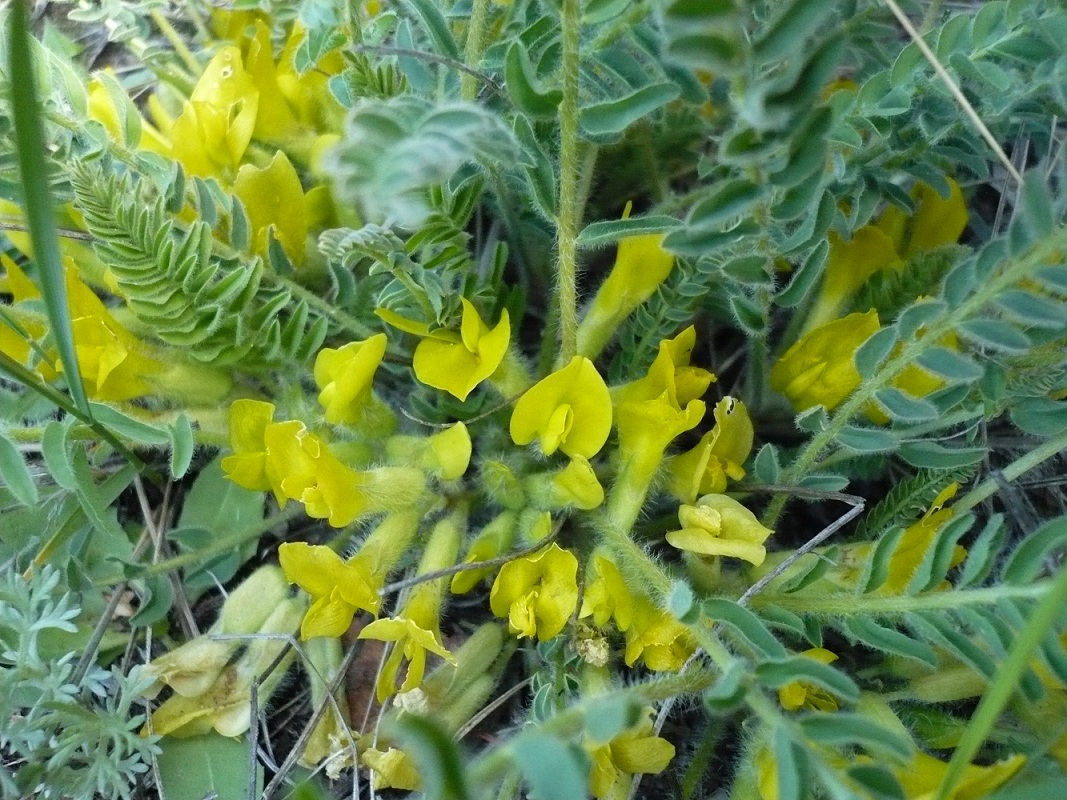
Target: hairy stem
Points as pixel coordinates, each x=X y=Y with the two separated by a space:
x=846 y=604
x=569 y=166
x=472 y=54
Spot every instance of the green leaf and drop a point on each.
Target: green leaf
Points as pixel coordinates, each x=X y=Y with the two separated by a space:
x=996 y=334
x=945 y=632
x=1031 y=557
x=437 y=26
x=936 y=561
x=681 y=603
x=843 y=727
x=876 y=570
x=15 y=474
x=551 y=768
x=983 y=553
x=1035 y=205
x=804 y=277
x=437 y=756
x=182 y=445
x=868 y=632
x=606 y=232
x=765 y=467
x=879 y=782
x=873 y=352
x=31 y=146
x=787 y=32
x=128 y=427
x=609 y=716
x=1040 y=416
x=727 y=201
x=905 y=408
x=524 y=89
x=57 y=455
x=779 y=672
x=790 y=781
x=746 y=623
x=157 y=597
x=1032 y=309
x=949 y=365
x=728 y=692
x=205 y=766
x=866 y=440
x=931 y=455
x=611 y=118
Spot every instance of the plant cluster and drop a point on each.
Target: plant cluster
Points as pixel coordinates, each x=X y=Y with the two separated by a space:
x=454 y=331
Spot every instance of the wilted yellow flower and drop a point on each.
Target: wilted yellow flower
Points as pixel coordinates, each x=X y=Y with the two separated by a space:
x=411 y=643
x=274 y=199
x=537 y=593
x=225 y=705
x=570 y=410
x=918 y=538
x=654 y=636
x=720 y=526
x=457 y=363
x=125 y=127
x=937 y=221
x=391 y=769
x=799 y=694
x=641 y=265
x=211 y=134
x=345 y=377
x=718 y=455
x=820 y=369
x=634 y=751
x=606 y=594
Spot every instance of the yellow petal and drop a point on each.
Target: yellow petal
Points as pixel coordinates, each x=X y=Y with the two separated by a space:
x=569 y=410
x=346 y=375
x=458 y=367
x=273 y=198
x=328 y=616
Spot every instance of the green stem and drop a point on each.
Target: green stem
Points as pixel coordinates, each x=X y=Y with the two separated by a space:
x=472 y=54
x=569 y=166
x=1020 y=466
x=907 y=355
x=851 y=604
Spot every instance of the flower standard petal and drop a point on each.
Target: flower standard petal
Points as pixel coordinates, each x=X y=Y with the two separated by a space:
x=346 y=375
x=458 y=364
x=569 y=410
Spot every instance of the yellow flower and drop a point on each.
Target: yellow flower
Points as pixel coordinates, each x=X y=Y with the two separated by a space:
x=114 y=364
x=606 y=595
x=211 y=134
x=411 y=643
x=570 y=410
x=249 y=466
x=720 y=526
x=918 y=538
x=641 y=265
x=923 y=776
x=391 y=769
x=274 y=199
x=670 y=372
x=21 y=288
x=275 y=120
x=654 y=636
x=457 y=363
x=937 y=221
x=636 y=750
x=886 y=245
x=345 y=377
x=798 y=694
x=104 y=93
x=718 y=455
x=820 y=369
x=538 y=593
x=338 y=588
